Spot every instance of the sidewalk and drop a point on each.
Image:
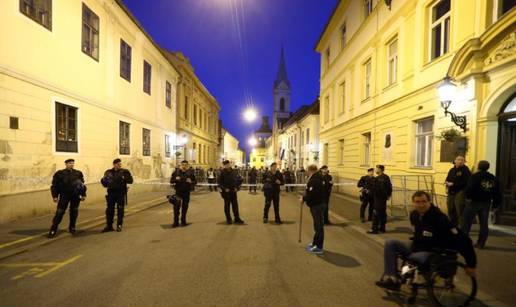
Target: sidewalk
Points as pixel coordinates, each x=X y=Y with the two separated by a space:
x=496 y=262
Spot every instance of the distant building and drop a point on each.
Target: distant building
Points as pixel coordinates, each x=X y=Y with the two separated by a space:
x=231 y=150
x=258 y=155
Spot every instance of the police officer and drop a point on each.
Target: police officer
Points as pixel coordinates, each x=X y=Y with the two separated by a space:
x=272 y=181
x=253 y=175
x=456 y=181
x=382 y=190
x=229 y=185
x=315 y=195
x=328 y=185
x=67 y=189
x=366 y=184
x=482 y=193
x=183 y=180
x=289 y=179
x=115 y=180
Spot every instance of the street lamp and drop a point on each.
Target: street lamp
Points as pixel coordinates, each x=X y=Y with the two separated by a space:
x=253 y=141
x=447 y=91
x=250 y=115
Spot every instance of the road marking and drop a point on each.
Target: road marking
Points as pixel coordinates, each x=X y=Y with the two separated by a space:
x=17 y=241
x=38 y=269
x=57 y=267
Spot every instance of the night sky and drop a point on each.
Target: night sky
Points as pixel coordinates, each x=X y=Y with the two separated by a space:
x=234 y=46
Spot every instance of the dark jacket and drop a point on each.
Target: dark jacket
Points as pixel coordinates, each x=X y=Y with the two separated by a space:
x=459 y=176
x=116 y=180
x=382 y=188
x=434 y=230
x=328 y=185
x=289 y=176
x=269 y=182
x=69 y=182
x=253 y=174
x=181 y=185
x=367 y=184
x=315 y=191
x=228 y=179
x=483 y=187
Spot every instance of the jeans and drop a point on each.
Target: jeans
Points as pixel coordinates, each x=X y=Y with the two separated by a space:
x=395 y=249
x=480 y=208
x=118 y=200
x=181 y=206
x=62 y=205
x=230 y=200
x=318 y=216
x=380 y=214
x=367 y=200
x=274 y=199
x=455 y=203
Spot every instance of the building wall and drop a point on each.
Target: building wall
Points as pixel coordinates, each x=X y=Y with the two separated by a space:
x=393 y=109
x=33 y=79
x=258 y=157
x=231 y=151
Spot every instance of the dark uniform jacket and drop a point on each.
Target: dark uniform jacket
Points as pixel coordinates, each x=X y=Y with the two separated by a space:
x=382 y=188
x=328 y=185
x=69 y=182
x=253 y=174
x=484 y=187
x=269 y=182
x=118 y=180
x=315 y=191
x=289 y=176
x=228 y=179
x=459 y=176
x=181 y=185
x=434 y=231
x=367 y=184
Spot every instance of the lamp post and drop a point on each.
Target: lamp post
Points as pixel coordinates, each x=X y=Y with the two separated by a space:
x=447 y=91
x=250 y=115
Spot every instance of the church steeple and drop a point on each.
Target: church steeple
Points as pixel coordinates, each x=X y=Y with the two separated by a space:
x=281 y=76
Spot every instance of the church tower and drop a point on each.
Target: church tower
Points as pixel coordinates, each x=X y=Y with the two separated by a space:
x=281 y=93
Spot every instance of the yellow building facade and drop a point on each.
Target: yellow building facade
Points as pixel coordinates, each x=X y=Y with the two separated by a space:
x=380 y=72
x=230 y=145
x=82 y=80
x=197 y=117
x=258 y=157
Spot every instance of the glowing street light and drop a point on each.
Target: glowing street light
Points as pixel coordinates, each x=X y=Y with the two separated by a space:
x=253 y=141
x=250 y=115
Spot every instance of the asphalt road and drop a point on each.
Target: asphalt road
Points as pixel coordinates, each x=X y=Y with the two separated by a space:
x=207 y=263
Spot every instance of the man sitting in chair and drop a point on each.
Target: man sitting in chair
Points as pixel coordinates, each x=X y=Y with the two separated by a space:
x=432 y=231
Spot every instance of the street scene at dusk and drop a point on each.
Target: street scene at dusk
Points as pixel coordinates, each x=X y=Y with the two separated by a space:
x=257 y=153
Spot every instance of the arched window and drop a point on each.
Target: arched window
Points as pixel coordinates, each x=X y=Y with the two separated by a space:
x=282 y=104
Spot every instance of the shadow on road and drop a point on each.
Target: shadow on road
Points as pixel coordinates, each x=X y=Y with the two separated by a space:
x=339 y=260
x=224 y=223
x=342 y=225
x=283 y=223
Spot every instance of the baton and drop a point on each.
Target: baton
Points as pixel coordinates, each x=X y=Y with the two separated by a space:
x=300 y=221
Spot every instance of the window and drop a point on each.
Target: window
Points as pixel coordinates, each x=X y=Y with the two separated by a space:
x=424 y=141
x=392 y=61
x=366 y=138
x=368 y=7
x=125 y=61
x=341 y=151
x=326 y=109
x=38 y=10
x=168 y=94
x=342 y=88
x=503 y=6
x=167 y=146
x=147 y=70
x=124 y=139
x=327 y=58
x=195 y=114
x=343 y=36
x=146 y=142
x=13 y=122
x=90 y=32
x=440 y=28
x=282 y=104
x=307 y=136
x=66 y=128
x=367 y=75
x=186 y=107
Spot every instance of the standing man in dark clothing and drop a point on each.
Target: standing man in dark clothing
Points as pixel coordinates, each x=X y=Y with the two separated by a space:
x=382 y=190
x=183 y=180
x=229 y=185
x=366 y=184
x=253 y=175
x=116 y=180
x=272 y=181
x=289 y=179
x=482 y=192
x=67 y=188
x=315 y=193
x=455 y=183
x=212 y=179
x=328 y=185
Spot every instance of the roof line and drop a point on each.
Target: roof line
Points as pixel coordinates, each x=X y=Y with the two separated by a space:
x=327 y=24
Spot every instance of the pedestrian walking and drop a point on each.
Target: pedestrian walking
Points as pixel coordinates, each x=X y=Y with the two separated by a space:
x=315 y=194
x=253 y=176
x=482 y=192
x=229 y=184
x=382 y=190
x=67 y=189
x=272 y=181
x=456 y=181
x=366 y=195
x=328 y=185
x=212 y=179
x=115 y=180
x=183 y=181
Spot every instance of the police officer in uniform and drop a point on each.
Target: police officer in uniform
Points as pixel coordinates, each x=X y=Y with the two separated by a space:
x=67 y=189
x=116 y=180
x=366 y=184
x=328 y=185
x=315 y=197
x=183 y=181
x=272 y=181
x=253 y=175
x=229 y=185
x=382 y=190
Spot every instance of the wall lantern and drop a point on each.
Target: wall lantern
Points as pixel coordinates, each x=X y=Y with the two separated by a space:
x=447 y=91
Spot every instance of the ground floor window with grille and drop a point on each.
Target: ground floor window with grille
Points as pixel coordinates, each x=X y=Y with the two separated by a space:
x=167 y=145
x=66 y=128
x=146 y=142
x=424 y=142
x=124 y=138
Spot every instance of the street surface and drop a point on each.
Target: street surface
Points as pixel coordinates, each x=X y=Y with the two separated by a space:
x=207 y=263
